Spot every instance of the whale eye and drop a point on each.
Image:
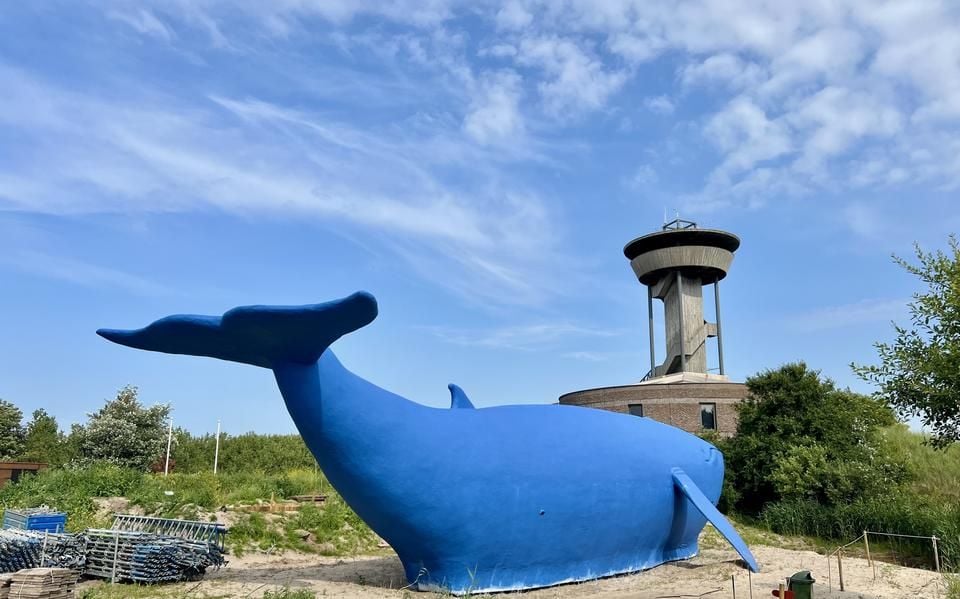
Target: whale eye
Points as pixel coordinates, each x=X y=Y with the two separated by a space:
x=542 y=512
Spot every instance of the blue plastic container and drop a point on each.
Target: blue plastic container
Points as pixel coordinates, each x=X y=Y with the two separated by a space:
x=37 y=521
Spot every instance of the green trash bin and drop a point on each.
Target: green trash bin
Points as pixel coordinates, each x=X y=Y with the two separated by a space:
x=801 y=584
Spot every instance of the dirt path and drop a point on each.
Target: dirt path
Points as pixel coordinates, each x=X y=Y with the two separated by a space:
x=382 y=576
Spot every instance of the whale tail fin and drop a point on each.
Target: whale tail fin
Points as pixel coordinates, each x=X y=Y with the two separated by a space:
x=259 y=335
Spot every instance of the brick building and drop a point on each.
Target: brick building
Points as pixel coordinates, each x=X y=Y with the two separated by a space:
x=693 y=403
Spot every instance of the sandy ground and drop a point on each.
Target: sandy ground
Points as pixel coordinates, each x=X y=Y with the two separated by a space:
x=708 y=575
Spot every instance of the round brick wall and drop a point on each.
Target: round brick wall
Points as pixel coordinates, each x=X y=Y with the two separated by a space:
x=677 y=404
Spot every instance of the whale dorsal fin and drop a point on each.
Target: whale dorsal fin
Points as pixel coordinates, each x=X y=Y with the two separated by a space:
x=692 y=492
x=459 y=399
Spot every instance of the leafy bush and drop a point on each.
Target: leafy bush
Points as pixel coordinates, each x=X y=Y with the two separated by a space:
x=43 y=441
x=11 y=431
x=808 y=472
x=801 y=437
x=124 y=432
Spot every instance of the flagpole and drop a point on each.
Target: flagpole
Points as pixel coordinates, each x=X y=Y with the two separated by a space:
x=216 y=452
x=166 y=464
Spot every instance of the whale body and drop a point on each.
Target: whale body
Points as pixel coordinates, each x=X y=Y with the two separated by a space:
x=472 y=500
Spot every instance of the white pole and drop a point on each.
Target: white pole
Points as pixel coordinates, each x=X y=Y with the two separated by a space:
x=166 y=465
x=216 y=452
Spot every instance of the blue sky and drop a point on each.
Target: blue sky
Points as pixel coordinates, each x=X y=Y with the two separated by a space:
x=477 y=166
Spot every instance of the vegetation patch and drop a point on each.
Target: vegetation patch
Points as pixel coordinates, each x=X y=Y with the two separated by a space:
x=330 y=528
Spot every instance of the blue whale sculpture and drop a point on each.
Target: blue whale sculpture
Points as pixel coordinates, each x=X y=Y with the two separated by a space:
x=472 y=500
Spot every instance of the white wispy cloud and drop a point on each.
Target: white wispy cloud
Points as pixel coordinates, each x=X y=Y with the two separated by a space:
x=526 y=337
x=642 y=178
x=495 y=116
x=747 y=135
x=723 y=69
x=512 y=15
x=817 y=81
x=797 y=98
x=78 y=272
x=144 y=22
x=846 y=315
x=575 y=81
x=587 y=356
x=248 y=156
x=659 y=105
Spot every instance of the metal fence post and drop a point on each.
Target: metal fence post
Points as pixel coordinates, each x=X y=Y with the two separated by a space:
x=116 y=552
x=840 y=567
x=43 y=551
x=936 y=554
x=829 y=574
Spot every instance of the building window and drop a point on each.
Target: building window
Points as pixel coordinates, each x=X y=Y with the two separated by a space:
x=708 y=416
x=636 y=409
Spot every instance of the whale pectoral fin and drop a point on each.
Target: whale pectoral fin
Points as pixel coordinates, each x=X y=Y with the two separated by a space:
x=692 y=492
x=459 y=399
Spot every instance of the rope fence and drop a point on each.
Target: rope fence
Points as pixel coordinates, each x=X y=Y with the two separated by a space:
x=865 y=537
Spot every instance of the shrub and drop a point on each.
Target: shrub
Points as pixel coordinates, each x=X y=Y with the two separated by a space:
x=124 y=432
x=801 y=437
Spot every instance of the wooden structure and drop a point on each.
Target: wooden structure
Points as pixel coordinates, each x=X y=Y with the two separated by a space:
x=12 y=471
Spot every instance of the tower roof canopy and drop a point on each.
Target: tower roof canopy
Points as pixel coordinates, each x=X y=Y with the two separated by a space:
x=681 y=237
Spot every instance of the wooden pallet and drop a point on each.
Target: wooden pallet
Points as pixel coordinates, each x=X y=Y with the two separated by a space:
x=42 y=583
x=309 y=498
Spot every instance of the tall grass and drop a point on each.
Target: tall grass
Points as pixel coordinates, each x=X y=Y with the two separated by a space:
x=169 y=495
x=934 y=473
x=904 y=514
x=927 y=504
x=952 y=582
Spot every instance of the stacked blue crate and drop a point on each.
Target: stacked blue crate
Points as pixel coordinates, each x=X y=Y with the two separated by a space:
x=36 y=519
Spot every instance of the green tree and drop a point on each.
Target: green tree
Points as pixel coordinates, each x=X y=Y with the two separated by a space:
x=919 y=373
x=11 y=431
x=43 y=441
x=801 y=437
x=124 y=432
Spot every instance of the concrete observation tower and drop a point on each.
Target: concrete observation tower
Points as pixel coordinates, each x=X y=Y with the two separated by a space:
x=675 y=264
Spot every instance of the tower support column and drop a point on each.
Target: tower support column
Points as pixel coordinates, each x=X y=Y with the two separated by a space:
x=716 y=303
x=653 y=356
x=683 y=341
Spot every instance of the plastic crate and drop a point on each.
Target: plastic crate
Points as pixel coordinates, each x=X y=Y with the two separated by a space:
x=37 y=521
